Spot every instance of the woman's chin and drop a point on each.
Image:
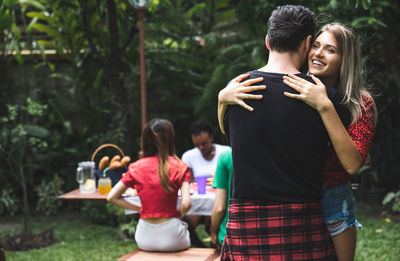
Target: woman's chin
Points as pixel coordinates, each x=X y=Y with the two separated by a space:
x=314 y=72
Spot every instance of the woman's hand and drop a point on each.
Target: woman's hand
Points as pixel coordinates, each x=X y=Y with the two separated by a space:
x=115 y=197
x=234 y=93
x=237 y=91
x=313 y=94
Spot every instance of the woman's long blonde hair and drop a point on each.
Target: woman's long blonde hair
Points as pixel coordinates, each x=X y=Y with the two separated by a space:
x=351 y=83
x=158 y=138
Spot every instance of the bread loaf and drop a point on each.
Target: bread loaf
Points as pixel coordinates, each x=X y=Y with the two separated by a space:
x=125 y=160
x=104 y=163
x=115 y=158
x=115 y=165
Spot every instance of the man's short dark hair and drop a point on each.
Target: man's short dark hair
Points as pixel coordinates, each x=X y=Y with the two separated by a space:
x=288 y=26
x=198 y=127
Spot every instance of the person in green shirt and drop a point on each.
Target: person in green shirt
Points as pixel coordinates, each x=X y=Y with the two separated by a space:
x=222 y=183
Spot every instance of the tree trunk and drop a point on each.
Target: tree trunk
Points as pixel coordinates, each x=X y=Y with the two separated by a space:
x=27 y=216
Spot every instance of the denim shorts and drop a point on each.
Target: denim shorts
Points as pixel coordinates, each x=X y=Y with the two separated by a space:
x=338 y=208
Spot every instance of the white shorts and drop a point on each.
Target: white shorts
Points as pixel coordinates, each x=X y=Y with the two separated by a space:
x=172 y=235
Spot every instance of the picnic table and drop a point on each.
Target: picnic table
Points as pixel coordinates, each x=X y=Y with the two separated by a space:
x=77 y=195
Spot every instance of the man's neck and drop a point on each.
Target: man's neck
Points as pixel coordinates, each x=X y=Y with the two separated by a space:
x=285 y=63
x=211 y=154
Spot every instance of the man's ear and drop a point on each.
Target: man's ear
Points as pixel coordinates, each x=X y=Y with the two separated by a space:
x=308 y=43
x=267 y=42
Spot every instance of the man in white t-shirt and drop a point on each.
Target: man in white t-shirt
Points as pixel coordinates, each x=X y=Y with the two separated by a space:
x=202 y=160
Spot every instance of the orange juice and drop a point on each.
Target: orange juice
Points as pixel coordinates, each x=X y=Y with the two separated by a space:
x=104 y=185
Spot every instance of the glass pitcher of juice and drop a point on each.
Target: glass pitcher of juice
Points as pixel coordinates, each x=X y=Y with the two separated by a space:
x=85 y=177
x=104 y=185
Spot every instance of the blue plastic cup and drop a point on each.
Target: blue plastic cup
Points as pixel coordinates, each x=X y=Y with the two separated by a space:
x=201 y=184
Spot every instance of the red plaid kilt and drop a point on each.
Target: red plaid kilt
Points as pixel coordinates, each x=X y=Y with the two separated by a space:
x=261 y=231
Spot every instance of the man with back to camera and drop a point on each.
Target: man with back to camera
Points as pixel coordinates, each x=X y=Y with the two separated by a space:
x=278 y=153
x=202 y=160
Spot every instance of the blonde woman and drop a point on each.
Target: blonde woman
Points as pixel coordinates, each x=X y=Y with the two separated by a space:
x=335 y=59
x=157 y=177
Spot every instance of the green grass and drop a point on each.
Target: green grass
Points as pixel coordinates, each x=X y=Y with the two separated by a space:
x=78 y=240
x=379 y=240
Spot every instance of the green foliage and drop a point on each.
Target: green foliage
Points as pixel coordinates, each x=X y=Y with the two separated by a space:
x=9 y=205
x=21 y=131
x=394 y=199
x=47 y=192
x=101 y=107
x=127 y=223
x=128 y=229
x=21 y=141
x=99 y=213
x=10 y=33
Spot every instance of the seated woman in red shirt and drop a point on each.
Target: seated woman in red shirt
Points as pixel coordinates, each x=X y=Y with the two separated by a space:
x=157 y=177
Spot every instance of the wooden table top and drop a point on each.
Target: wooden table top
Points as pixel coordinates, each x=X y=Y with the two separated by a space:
x=77 y=195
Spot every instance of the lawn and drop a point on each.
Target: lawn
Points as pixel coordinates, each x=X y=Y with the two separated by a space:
x=78 y=240
x=379 y=240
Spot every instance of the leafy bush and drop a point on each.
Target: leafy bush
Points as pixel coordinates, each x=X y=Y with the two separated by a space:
x=47 y=192
x=127 y=223
x=99 y=213
x=9 y=204
x=128 y=229
x=394 y=198
x=118 y=212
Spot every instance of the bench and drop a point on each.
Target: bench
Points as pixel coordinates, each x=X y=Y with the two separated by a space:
x=203 y=254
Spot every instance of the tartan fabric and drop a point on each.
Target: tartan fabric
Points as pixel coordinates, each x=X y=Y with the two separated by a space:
x=261 y=231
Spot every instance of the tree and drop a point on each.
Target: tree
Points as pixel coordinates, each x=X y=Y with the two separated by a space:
x=21 y=138
x=20 y=133
x=96 y=42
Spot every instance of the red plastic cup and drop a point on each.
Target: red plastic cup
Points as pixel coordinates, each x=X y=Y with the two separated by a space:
x=201 y=184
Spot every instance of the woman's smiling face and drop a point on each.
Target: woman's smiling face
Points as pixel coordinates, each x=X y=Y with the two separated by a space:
x=325 y=58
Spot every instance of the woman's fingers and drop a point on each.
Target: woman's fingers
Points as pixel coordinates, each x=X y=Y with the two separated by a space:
x=292 y=84
x=244 y=105
x=245 y=96
x=252 y=81
x=300 y=82
x=316 y=80
x=241 y=77
x=254 y=88
x=297 y=79
x=292 y=95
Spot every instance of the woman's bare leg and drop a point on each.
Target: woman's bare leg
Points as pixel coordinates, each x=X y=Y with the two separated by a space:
x=345 y=244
